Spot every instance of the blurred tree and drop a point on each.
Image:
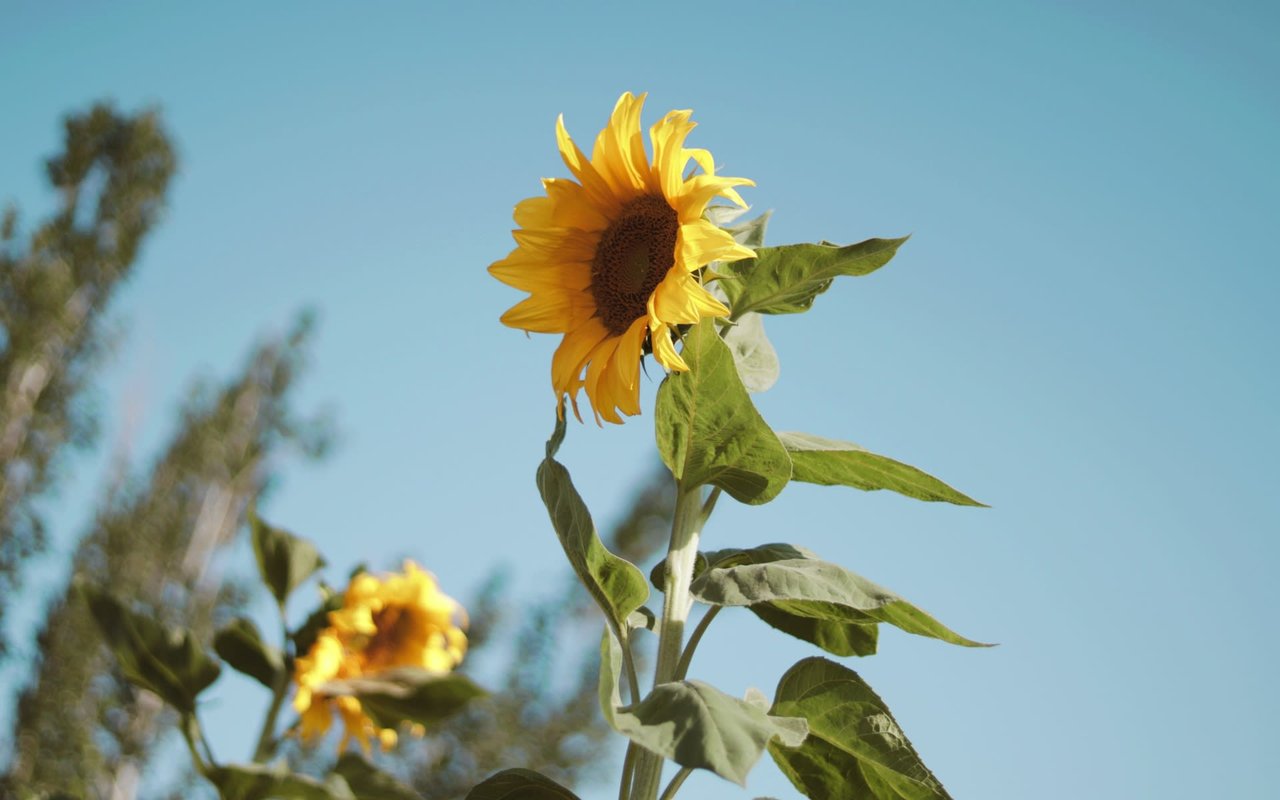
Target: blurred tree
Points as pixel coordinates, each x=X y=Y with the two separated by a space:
x=112 y=177
x=79 y=727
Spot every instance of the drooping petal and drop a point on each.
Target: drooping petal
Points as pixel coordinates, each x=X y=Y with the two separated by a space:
x=699 y=243
x=624 y=367
x=571 y=355
x=699 y=190
x=680 y=299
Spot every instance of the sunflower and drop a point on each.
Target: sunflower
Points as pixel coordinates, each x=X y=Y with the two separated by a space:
x=613 y=259
x=402 y=620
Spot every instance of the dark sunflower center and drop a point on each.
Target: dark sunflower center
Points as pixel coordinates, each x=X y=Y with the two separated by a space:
x=634 y=255
x=394 y=623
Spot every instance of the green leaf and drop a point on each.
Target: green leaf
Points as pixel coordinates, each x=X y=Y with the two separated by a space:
x=833 y=463
x=519 y=784
x=805 y=587
x=262 y=781
x=407 y=694
x=787 y=279
x=284 y=560
x=240 y=645
x=693 y=724
x=708 y=430
x=855 y=748
x=367 y=782
x=616 y=584
x=167 y=661
x=753 y=354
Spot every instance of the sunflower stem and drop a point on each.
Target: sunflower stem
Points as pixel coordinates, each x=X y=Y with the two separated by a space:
x=685 y=527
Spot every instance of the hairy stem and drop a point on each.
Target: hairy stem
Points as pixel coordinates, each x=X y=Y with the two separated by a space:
x=681 y=555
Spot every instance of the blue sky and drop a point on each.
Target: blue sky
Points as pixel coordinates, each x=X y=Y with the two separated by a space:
x=1081 y=331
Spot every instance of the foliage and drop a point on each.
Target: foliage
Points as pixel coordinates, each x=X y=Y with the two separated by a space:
x=111 y=177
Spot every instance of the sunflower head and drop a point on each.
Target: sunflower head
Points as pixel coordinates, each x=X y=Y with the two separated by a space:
x=400 y=620
x=613 y=258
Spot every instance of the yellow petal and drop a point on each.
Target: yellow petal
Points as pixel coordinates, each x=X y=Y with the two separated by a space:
x=534 y=274
x=680 y=299
x=596 y=188
x=548 y=313
x=693 y=196
x=534 y=212
x=669 y=155
x=664 y=352
x=624 y=368
x=616 y=146
x=571 y=355
x=699 y=243
x=601 y=392
x=571 y=206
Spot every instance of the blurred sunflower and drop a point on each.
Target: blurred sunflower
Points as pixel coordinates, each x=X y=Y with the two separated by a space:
x=401 y=620
x=612 y=259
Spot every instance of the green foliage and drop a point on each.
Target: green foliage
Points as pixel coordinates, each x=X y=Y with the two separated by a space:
x=367 y=782
x=708 y=430
x=693 y=724
x=272 y=782
x=111 y=179
x=166 y=661
x=407 y=694
x=787 y=279
x=520 y=784
x=795 y=583
x=617 y=585
x=833 y=463
x=855 y=749
x=240 y=645
x=284 y=560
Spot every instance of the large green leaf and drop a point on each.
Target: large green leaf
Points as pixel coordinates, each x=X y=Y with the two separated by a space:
x=693 y=724
x=367 y=782
x=617 y=585
x=167 y=661
x=833 y=463
x=795 y=583
x=785 y=280
x=266 y=782
x=284 y=560
x=240 y=644
x=855 y=748
x=407 y=694
x=519 y=784
x=708 y=430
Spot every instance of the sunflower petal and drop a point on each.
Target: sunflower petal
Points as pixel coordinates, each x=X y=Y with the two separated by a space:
x=669 y=155
x=699 y=243
x=680 y=299
x=596 y=187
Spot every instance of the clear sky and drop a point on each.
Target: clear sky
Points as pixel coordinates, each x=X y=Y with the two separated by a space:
x=1082 y=331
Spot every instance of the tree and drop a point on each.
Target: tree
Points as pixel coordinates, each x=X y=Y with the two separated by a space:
x=80 y=728
x=112 y=176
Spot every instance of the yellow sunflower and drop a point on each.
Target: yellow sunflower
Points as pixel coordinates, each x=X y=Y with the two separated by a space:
x=612 y=260
x=401 y=620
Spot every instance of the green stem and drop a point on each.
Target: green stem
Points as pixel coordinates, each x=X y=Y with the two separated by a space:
x=687 y=656
x=628 y=770
x=676 y=783
x=192 y=734
x=681 y=554
x=266 y=746
x=629 y=665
